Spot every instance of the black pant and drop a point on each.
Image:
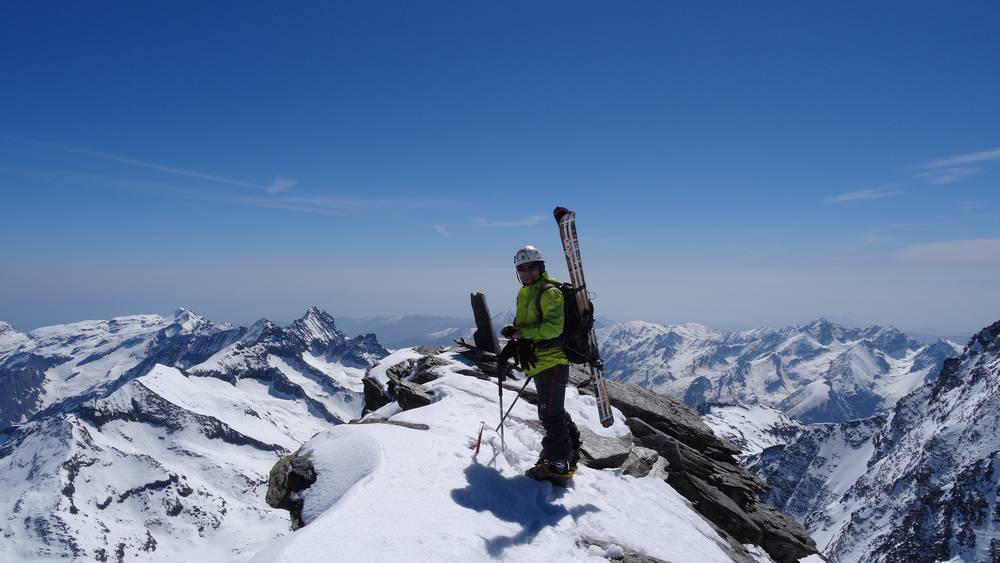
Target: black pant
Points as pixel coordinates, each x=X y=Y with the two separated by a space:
x=562 y=439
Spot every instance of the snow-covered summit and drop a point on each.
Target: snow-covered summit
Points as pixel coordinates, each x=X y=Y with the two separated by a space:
x=412 y=467
x=317 y=327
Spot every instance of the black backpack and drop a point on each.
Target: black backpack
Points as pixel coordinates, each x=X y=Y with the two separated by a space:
x=577 y=325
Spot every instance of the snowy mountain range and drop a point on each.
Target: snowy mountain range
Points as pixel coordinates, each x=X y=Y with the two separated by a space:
x=919 y=483
x=150 y=438
x=818 y=372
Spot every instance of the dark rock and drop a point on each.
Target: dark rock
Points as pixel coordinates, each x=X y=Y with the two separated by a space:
x=670 y=416
x=737 y=483
x=711 y=503
x=783 y=538
x=726 y=494
x=640 y=461
x=473 y=372
x=412 y=395
x=424 y=369
x=292 y=474
x=579 y=377
x=410 y=425
x=375 y=396
x=399 y=372
x=602 y=452
x=627 y=555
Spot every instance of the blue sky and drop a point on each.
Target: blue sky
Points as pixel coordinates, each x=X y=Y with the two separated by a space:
x=731 y=164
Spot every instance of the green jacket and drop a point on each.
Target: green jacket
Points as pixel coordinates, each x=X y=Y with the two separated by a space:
x=545 y=328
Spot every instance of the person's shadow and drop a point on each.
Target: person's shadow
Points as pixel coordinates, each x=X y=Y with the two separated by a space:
x=519 y=499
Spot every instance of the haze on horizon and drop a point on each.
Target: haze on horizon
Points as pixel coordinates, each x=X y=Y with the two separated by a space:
x=733 y=165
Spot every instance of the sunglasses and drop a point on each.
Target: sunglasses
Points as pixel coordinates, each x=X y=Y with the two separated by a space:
x=527 y=267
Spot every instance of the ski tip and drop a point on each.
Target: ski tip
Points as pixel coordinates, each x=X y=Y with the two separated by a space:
x=559 y=212
x=607 y=422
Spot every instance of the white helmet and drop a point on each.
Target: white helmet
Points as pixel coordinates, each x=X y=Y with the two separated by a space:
x=526 y=255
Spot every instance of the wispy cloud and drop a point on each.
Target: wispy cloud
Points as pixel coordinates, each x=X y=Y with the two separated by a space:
x=523 y=222
x=967 y=158
x=954 y=168
x=280 y=185
x=441 y=230
x=946 y=175
x=322 y=205
x=872 y=240
x=914 y=224
x=277 y=186
x=973 y=252
x=887 y=190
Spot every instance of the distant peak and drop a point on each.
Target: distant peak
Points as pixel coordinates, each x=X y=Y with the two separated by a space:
x=317 y=325
x=6 y=327
x=315 y=313
x=183 y=314
x=988 y=338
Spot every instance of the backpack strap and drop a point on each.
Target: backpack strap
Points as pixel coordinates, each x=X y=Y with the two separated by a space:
x=552 y=342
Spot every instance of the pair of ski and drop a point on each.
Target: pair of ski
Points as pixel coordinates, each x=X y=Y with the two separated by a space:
x=566 y=220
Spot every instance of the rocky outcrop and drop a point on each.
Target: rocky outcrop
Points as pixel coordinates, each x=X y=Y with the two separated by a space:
x=291 y=475
x=411 y=395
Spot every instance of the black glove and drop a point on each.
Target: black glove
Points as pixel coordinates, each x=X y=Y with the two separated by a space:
x=510 y=350
x=526 y=354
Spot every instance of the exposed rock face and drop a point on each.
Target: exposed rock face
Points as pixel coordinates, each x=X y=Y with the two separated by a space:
x=411 y=395
x=918 y=485
x=375 y=397
x=291 y=475
x=600 y=452
x=670 y=416
x=702 y=467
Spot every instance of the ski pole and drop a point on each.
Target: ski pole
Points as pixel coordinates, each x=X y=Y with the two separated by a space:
x=503 y=445
x=501 y=375
x=504 y=417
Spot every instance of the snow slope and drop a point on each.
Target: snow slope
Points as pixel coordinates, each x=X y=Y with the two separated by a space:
x=478 y=507
x=752 y=428
x=437 y=500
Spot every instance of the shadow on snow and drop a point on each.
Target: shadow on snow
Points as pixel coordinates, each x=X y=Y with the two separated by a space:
x=519 y=499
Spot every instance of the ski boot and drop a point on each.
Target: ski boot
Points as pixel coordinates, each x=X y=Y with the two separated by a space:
x=574 y=460
x=556 y=472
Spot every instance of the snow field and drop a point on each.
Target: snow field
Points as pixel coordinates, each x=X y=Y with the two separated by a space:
x=393 y=493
